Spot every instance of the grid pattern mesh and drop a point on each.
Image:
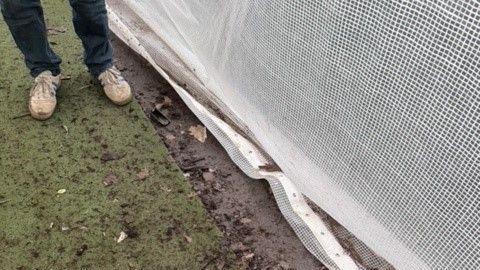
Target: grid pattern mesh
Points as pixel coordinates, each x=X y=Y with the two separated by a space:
x=372 y=108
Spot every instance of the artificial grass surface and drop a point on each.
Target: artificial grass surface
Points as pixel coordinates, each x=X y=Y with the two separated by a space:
x=42 y=229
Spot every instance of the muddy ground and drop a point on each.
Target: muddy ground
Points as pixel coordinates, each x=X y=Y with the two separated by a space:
x=243 y=208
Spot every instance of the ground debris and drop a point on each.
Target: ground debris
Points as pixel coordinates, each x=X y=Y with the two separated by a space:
x=245 y=220
x=238 y=247
x=143 y=174
x=81 y=250
x=170 y=137
x=123 y=235
x=187 y=238
x=168 y=190
x=158 y=116
x=217 y=187
x=191 y=164
x=249 y=256
x=110 y=179
x=61 y=191
x=198 y=132
x=167 y=102
x=110 y=156
x=209 y=177
x=51 y=31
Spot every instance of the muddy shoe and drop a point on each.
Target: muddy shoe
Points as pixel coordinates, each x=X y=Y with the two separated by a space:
x=115 y=86
x=42 y=96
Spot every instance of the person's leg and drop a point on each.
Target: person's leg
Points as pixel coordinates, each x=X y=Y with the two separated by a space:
x=91 y=25
x=26 y=23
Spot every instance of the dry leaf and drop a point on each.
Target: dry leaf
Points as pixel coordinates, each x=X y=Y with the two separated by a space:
x=249 y=256
x=61 y=191
x=142 y=175
x=199 y=132
x=170 y=137
x=245 y=220
x=208 y=176
x=110 y=179
x=188 y=238
x=167 y=102
x=122 y=237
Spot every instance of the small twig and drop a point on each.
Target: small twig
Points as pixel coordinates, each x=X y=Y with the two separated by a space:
x=192 y=162
x=84 y=87
x=57 y=29
x=20 y=116
x=193 y=167
x=197 y=160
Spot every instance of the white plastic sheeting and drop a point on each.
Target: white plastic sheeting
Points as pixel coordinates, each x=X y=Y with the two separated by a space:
x=371 y=108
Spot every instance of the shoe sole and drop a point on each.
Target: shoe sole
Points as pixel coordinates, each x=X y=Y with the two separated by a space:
x=41 y=117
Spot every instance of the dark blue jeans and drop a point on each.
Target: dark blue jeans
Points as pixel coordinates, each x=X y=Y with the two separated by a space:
x=26 y=23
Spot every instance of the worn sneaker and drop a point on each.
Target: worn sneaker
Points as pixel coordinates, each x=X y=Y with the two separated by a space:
x=115 y=86
x=42 y=96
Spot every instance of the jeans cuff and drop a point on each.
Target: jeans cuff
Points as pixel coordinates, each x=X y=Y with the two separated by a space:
x=96 y=71
x=35 y=72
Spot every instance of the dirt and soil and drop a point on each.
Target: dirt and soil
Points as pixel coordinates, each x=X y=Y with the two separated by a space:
x=243 y=208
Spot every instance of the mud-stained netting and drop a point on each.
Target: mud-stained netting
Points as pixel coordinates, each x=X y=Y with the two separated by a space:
x=371 y=108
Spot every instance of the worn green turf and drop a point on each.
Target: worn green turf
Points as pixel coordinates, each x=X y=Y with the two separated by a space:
x=168 y=227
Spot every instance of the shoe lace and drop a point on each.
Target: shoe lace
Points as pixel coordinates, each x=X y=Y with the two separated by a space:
x=44 y=86
x=111 y=76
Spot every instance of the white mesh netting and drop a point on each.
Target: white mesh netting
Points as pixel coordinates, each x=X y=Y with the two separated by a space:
x=372 y=108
